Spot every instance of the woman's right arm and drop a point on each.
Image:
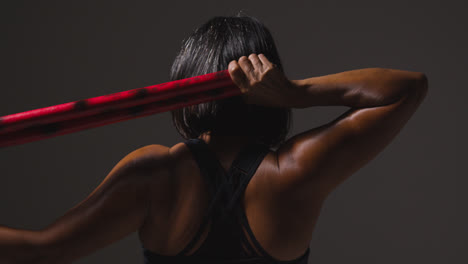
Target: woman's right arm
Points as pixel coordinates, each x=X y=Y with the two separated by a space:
x=313 y=163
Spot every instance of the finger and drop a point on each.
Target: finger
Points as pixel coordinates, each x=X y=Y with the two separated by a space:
x=237 y=75
x=246 y=65
x=264 y=60
x=255 y=61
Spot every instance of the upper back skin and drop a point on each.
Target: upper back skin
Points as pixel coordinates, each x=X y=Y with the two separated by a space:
x=280 y=225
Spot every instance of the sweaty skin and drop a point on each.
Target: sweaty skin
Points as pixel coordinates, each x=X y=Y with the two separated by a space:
x=158 y=191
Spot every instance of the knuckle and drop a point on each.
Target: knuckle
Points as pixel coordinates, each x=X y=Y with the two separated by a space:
x=233 y=66
x=268 y=69
x=254 y=82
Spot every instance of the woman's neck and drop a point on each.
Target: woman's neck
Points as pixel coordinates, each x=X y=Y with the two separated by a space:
x=225 y=142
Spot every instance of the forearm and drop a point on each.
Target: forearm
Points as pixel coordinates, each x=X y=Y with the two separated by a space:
x=18 y=246
x=359 y=88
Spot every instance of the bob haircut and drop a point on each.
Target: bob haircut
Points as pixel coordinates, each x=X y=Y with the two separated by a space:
x=210 y=48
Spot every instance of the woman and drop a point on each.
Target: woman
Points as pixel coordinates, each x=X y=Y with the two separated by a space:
x=235 y=191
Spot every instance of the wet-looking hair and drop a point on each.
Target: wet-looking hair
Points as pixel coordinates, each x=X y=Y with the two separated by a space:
x=210 y=48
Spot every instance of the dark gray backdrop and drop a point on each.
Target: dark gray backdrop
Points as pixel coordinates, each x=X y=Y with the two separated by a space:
x=403 y=207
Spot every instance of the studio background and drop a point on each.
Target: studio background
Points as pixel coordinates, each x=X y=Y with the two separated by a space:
x=406 y=206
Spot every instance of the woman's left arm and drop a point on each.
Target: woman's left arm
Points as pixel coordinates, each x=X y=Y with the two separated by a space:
x=116 y=208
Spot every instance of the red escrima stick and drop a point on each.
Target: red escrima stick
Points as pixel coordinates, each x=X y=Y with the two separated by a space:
x=74 y=116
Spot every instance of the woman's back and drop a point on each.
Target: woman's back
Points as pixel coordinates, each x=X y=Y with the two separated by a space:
x=281 y=228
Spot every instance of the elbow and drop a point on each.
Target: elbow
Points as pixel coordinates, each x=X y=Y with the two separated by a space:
x=422 y=85
x=418 y=87
x=421 y=82
x=417 y=83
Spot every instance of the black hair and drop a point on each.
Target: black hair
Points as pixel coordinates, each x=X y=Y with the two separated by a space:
x=210 y=48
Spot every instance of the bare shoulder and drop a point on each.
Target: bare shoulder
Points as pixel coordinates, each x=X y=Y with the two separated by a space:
x=150 y=157
x=151 y=152
x=153 y=163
